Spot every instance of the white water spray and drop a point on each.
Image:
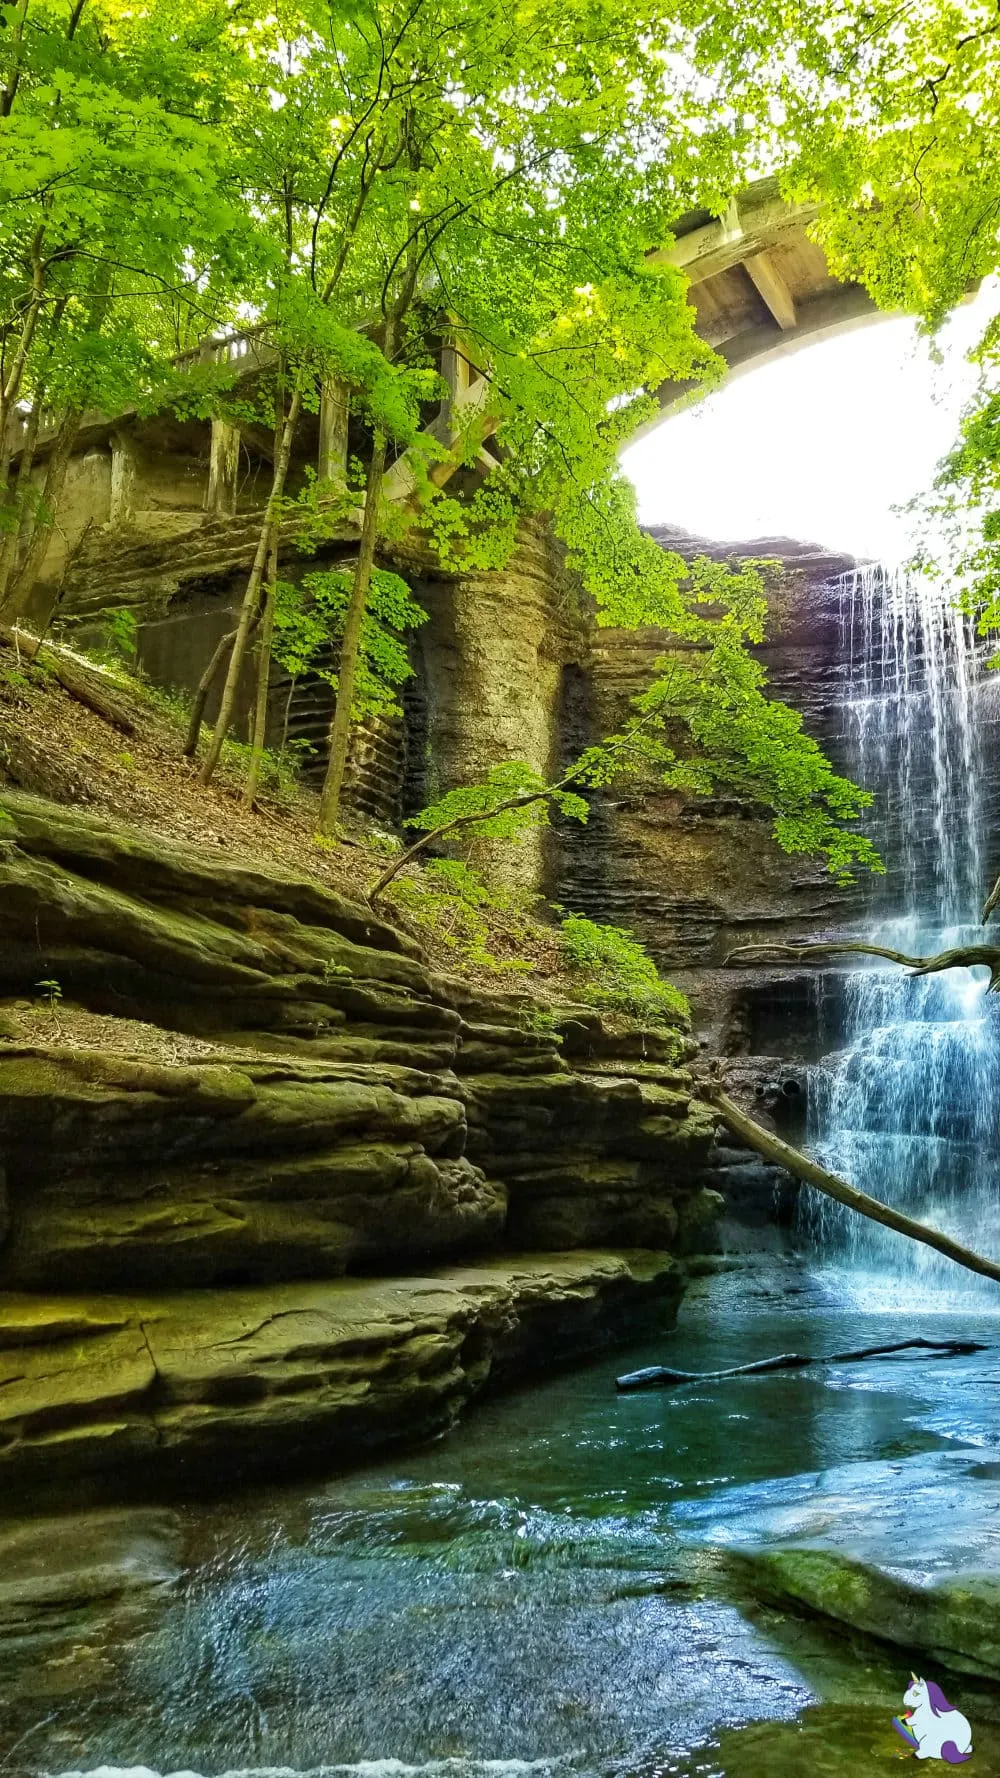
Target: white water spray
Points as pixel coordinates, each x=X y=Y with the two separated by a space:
x=905 y=1107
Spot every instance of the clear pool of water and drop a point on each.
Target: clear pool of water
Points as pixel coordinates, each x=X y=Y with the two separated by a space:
x=517 y=1596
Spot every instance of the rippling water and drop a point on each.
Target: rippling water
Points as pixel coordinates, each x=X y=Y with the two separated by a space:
x=517 y=1597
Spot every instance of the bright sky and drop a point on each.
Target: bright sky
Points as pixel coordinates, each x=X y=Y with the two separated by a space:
x=819 y=445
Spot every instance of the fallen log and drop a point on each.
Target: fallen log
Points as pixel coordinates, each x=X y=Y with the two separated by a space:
x=86 y=684
x=661 y=1376
x=960 y=957
x=811 y=1173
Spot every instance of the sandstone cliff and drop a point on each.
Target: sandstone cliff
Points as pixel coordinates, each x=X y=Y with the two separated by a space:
x=186 y=1214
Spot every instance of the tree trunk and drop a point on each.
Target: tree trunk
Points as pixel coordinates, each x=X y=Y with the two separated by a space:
x=340 y=733
x=251 y=598
x=662 y=1376
x=88 y=685
x=263 y=679
x=811 y=1173
x=203 y=688
x=17 y=538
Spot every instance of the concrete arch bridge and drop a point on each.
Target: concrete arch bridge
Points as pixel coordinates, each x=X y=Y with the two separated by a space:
x=759 y=286
x=160 y=515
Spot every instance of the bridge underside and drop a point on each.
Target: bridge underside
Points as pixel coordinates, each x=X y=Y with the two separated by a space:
x=760 y=287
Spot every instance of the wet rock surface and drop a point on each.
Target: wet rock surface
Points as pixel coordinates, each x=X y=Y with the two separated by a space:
x=525 y=1591
x=173 y=1389
x=918 y=1567
x=830 y=1741
x=58 y=1574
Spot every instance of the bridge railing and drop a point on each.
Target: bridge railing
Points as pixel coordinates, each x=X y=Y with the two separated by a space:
x=248 y=348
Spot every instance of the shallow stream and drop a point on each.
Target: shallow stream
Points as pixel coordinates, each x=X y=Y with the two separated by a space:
x=533 y=1590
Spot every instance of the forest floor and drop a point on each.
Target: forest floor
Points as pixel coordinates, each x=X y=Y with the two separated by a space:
x=56 y=746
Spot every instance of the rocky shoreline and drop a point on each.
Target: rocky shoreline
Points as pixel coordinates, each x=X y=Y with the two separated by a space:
x=130 y=1393
x=337 y=1196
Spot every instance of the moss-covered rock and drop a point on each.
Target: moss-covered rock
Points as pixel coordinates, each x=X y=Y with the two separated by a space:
x=351 y=1111
x=175 y=1388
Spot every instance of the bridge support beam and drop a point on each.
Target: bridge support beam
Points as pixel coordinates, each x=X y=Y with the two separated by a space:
x=223 y=469
x=334 y=415
x=770 y=284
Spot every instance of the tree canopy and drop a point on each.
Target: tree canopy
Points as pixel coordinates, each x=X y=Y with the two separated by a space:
x=363 y=181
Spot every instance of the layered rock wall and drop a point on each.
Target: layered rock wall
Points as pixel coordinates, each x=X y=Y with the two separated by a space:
x=304 y=1102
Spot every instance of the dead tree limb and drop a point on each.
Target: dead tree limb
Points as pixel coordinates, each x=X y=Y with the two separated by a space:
x=811 y=1173
x=660 y=1376
x=962 y=957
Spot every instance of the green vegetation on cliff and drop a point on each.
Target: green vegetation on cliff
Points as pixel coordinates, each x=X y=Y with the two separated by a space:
x=366 y=188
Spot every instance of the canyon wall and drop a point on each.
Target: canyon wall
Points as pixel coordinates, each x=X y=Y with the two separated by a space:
x=227 y=1198
x=355 y=1193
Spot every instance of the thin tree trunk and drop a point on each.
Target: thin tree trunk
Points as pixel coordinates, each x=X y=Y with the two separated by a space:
x=251 y=598
x=16 y=540
x=202 y=690
x=523 y=800
x=15 y=41
x=10 y=383
x=340 y=732
x=962 y=957
x=811 y=1173
x=263 y=678
x=206 y=683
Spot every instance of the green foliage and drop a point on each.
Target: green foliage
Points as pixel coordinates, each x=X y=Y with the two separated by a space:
x=506 y=181
x=121 y=630
x=482 y=804
x=456 y=907
x=309 y=618
x=51 y=992
x=888 y=122
x=278 y=771
x=961 y=515
x=384 y=845
x=539 y=1019
x=749 y=744
x=620 y=974
x=705 y=723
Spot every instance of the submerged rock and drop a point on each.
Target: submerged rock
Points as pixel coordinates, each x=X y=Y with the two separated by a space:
x=827 y=1741
x=60 y=1570
x=908 y=1552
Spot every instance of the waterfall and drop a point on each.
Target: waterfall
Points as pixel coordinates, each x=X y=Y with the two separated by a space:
x=904 y=1107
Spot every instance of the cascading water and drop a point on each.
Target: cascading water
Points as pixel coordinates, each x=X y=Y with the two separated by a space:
x=905 y=1107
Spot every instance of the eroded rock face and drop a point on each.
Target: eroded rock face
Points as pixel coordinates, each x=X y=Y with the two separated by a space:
x=172 y=1388
x=694 y=877
x=339 y=1109
x=358 y=1111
